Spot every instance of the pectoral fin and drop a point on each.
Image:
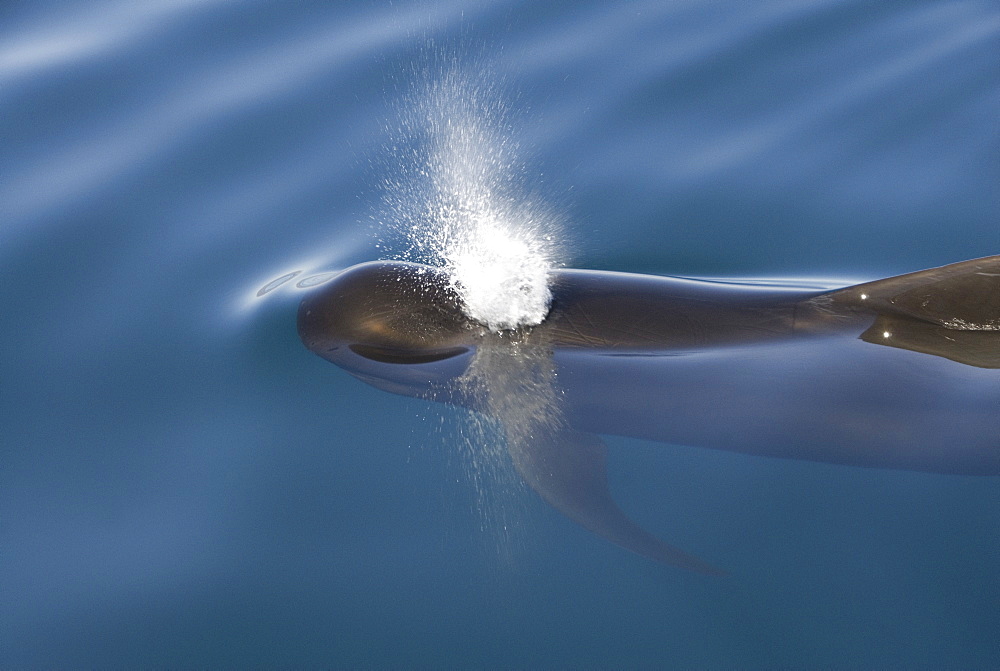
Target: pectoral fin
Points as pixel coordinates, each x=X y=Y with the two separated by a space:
x=568 y=470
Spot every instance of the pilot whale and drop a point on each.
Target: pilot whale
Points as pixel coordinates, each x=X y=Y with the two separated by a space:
x=899 y=373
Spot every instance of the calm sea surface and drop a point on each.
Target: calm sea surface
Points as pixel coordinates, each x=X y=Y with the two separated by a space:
x=182 y=484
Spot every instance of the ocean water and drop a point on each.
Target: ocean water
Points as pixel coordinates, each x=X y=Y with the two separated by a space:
x=183 y=484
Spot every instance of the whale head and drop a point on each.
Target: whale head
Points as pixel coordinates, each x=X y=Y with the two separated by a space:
x=374 y=317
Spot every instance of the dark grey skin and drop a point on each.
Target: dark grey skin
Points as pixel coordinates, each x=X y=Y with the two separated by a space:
x=899 y=373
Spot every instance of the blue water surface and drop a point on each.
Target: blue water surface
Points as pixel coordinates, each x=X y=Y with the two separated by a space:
x=182 y=484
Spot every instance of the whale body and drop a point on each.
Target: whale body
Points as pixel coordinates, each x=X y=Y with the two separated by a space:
x=900 y=373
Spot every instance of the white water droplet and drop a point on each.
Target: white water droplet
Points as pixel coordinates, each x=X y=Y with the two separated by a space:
x=463 y=206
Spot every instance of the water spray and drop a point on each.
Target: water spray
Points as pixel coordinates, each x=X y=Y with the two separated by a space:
x=461 y=204
x=460 y=201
